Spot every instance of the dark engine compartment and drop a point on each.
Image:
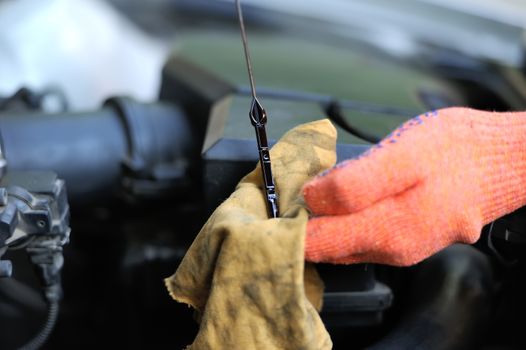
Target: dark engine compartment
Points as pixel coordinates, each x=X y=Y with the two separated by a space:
x=143 y=177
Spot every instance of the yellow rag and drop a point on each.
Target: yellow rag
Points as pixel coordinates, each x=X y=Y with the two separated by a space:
x=245 y=274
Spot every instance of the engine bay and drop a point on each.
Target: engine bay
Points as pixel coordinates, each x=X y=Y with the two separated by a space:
x=142 y=176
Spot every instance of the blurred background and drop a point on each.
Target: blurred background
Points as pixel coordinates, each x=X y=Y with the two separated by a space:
x=138 y=194
x=96 y=49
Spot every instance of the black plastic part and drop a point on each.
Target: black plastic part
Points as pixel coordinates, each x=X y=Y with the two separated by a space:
x=196 y=90
x=353 y=296
x=160 y=148
x=334 y=111
x=356 y=308
x=505 y=238
x=89 y=149
x=511 y=228
x=84 y=148
x=6 y=268
x=37 y=204
x=450 y=304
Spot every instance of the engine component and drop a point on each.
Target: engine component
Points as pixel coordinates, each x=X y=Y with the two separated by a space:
x=143 y=149
x=451 y=301
x=34 y=215
x=228 y=154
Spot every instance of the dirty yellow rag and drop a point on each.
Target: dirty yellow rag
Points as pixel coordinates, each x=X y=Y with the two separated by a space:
x=245 y=274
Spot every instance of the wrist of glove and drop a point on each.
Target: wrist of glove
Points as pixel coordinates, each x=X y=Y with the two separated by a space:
x=434 y=181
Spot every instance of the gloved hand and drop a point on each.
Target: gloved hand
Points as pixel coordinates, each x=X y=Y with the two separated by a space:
x=434 y=181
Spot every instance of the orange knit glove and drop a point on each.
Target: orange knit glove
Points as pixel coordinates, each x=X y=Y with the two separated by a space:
x=434 y=181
